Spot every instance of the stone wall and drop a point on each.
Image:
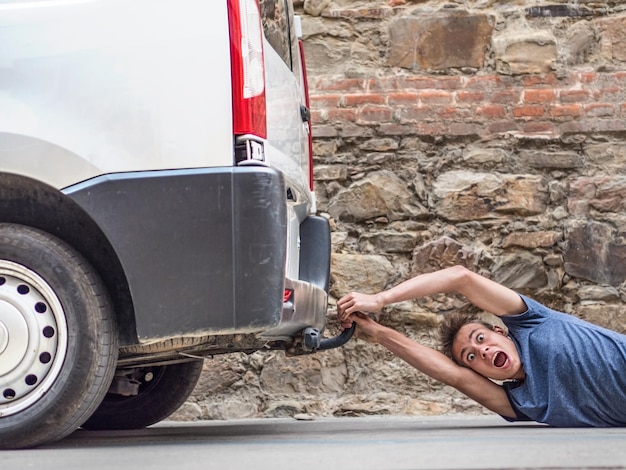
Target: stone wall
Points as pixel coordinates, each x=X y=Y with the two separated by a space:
x=486 y=133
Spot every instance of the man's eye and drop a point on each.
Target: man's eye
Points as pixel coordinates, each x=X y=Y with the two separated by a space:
x=480 y=338
x=470 y=357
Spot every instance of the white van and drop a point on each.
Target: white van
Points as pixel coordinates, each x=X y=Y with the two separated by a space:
x=156 y=205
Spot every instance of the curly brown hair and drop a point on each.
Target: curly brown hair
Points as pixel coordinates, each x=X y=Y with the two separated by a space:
x=450 y=326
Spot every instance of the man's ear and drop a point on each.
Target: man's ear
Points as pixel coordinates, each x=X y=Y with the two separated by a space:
x=500 y=330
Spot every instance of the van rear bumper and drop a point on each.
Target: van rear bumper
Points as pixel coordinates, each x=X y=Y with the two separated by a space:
x=203 y=250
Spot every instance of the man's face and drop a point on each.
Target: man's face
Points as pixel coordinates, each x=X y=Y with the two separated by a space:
x=489 y=352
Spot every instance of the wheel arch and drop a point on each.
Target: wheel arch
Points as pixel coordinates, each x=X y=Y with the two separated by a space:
x=26 y=201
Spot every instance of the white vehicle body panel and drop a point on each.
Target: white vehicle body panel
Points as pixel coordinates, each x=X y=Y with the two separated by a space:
x=159 y=104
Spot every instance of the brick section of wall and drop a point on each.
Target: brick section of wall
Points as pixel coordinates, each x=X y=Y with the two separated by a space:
x=487 y=105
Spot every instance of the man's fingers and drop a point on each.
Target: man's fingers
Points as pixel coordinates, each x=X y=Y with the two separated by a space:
x=347 y=321
x=346 y=301
x=357 y=317
x=345 y=310
x=345 y=325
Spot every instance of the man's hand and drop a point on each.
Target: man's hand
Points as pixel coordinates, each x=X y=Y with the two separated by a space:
x=356 y=302
x=367 y=329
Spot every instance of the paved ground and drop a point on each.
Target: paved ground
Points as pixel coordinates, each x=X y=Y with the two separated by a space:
x=335 y=443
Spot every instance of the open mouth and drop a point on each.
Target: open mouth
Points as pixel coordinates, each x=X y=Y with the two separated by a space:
x=500 y=359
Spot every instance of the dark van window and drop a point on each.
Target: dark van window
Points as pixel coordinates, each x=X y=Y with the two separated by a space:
x=277 y=28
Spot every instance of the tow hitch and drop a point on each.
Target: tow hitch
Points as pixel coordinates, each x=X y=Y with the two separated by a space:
x=312 y=342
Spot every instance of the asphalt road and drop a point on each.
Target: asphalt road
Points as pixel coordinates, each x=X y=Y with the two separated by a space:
x=331 y=443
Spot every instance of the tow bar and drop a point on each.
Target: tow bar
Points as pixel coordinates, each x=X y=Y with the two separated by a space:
x=311 y=340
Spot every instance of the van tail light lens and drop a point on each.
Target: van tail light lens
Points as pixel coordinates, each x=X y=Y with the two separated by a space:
x=247 y=68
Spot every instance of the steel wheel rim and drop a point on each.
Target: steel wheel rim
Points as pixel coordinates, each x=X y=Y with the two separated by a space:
x=33 y=337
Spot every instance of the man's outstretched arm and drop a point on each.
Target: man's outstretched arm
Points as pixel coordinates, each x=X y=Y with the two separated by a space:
x=436 y=365
x=480 y=291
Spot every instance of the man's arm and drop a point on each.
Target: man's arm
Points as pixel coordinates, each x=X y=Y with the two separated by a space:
x=480 y=291
x=438 y=366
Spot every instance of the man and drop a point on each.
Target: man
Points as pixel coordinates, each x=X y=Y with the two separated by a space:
x=553 y=368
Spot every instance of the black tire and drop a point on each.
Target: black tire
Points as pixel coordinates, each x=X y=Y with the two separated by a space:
x=58 y=342
x=162 y=390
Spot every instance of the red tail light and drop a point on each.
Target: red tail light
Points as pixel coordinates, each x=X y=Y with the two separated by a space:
x=287 y=294
x=247 y=68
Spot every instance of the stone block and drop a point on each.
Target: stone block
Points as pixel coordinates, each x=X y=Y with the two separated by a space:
x=612 y=316
x=601 y=193
x=610 y=157
x=552 y=160
x=442 y=253
x=366 y=273
x=520 y=271
x=463 y=195
x=598 y=293
x=580 y=44
x=525 y=52
x=326 y=56
x=381 y=194
x=482 y=156
x=315 y=7
x=613 y=38
x=388 y=242
x=439 y=41
x=595 y=252
x=330 y=172
x=305 y=374
x=532 y=239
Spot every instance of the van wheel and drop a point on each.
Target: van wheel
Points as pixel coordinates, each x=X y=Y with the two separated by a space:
x=58 y=343
x=161 y=391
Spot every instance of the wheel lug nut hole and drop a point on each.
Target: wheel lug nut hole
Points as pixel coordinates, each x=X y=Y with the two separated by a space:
x=23 y=289
x=8 y=393
x=45 y=357
x=40 y=307
x=2 y=280
x=48 y=332
x=30 y=379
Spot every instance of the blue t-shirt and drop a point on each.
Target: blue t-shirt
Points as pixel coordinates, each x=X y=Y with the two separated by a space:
x=575 y=370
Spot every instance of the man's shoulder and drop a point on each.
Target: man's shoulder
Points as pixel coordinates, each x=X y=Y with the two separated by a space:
x=535 y=313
